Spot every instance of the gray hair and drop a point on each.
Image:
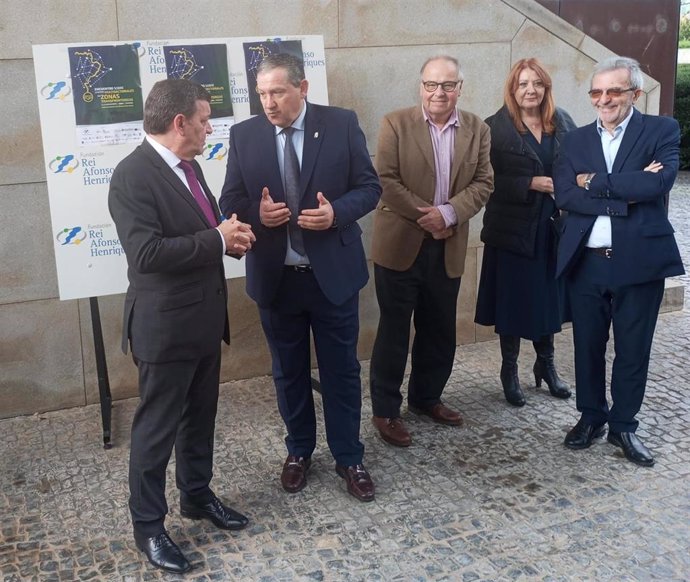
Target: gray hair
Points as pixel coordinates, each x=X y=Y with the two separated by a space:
x=293 y=66
x=630 y=65
x=168 y=98
x=447 y=58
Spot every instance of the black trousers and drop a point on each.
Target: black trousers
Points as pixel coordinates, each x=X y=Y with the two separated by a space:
x=427 y=295
x=177 y=408
x=598 y=304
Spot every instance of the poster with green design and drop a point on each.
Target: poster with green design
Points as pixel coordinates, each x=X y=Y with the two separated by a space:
x=106 y=84
x=206 y=64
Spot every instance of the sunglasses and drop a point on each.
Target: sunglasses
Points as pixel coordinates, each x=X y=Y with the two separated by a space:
x=612 y=92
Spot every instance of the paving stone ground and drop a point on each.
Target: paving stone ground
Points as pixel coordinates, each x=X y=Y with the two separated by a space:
x=497 y=499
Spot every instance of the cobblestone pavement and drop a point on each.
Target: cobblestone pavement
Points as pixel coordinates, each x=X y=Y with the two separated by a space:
x=497 y=499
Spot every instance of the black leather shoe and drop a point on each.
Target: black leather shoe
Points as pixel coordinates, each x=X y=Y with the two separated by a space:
x=163 y=553
x=221 y=515
x=582 y=435
x=633 y=449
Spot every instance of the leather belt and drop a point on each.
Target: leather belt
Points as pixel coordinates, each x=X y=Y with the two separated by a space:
x=299 y=268
x=605 y=252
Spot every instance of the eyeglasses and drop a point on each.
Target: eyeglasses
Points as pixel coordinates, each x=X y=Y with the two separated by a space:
x=612 y=92
x=447 y=86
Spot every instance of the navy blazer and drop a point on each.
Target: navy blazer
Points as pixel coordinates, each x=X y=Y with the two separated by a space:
x=176 y=303
x=335 y=161
x=644 y=248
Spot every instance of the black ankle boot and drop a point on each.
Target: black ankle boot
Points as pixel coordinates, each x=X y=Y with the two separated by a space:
x=510 y=349
x=545 y=369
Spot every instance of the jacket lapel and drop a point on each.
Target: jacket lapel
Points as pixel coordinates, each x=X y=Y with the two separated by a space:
x=504 y=135
x=420 y=134
x=314 y=131
x=593 y=144
x=632 y=133
x=267 y=147
x=463 y=138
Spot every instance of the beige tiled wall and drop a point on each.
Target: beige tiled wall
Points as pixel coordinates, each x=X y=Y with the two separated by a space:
x=374 y=51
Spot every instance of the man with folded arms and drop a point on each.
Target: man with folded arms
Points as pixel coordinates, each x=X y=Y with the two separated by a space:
x=433 y=162
x=175 y=313
x=613 y=178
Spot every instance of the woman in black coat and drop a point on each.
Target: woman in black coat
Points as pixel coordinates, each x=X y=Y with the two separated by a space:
x=518 y=293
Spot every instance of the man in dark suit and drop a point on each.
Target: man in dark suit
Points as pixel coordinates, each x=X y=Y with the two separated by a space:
x=301 y=176
x=175 y=313
x=617 y=246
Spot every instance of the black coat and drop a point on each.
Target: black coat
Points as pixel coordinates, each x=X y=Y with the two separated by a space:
x=512 y=213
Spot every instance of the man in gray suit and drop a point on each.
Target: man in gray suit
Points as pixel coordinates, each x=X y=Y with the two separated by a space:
x=175 y=313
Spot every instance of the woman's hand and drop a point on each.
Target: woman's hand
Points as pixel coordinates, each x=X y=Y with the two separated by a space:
x=542 y=184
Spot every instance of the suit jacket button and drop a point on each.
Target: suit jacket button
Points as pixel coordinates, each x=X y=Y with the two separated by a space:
x=219 y=291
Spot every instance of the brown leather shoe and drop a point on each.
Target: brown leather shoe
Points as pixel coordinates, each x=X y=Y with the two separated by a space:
x=359 y=483
x=392 y=430
x=294 y=475
x=439 y=413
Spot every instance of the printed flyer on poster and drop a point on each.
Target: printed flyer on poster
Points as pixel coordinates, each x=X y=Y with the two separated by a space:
x=91 y=98
x=207 y=65
x=108 y=104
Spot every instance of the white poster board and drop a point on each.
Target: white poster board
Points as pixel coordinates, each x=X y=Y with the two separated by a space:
x=90 y=101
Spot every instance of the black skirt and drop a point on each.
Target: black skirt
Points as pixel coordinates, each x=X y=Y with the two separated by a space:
x=519 y=295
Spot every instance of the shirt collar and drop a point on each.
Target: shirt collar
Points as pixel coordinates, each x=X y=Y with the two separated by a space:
x=168 y=156
x=298 y=124
x=620 y=128
x=454 y=119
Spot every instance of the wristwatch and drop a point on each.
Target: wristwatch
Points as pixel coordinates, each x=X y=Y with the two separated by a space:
x=588 y=181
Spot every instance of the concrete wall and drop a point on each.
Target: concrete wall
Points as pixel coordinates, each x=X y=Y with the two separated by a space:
x=374 y=50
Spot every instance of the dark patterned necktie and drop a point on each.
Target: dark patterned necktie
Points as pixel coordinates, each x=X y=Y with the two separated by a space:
x=292 y=192
x=198 y=193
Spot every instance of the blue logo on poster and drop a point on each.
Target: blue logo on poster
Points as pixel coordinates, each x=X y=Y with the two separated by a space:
x=64 y=164
x=215 y=151
x=59 y=90
x=74 y=235
x=141 y=51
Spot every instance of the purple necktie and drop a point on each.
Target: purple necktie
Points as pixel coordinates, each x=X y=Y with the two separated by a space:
x=198 y=193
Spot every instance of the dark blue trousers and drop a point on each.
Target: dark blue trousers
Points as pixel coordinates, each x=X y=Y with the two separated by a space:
x=301 y=308
x=599 y=304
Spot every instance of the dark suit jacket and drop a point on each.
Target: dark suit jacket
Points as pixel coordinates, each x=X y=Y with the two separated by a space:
x=335 y=161
x=176 y=303
x=642 y=237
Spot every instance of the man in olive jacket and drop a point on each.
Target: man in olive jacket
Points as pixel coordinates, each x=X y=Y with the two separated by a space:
x=433 y=162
